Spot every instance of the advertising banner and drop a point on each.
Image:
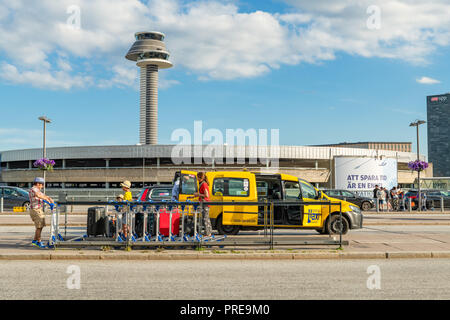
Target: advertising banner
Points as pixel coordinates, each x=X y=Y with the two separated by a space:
x=362 y=174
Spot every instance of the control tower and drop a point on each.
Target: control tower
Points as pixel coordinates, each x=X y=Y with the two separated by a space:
x=150 y=54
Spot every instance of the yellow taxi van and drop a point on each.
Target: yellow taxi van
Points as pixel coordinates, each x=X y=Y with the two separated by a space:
x=242 y=186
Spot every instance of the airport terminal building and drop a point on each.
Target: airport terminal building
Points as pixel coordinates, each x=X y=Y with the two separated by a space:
x=104 y=167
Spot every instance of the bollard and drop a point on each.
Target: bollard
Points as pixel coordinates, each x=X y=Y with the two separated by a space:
x=1 y=204
x=265 y=219
x=410 y=204
x=377 y=204
x=442 y=204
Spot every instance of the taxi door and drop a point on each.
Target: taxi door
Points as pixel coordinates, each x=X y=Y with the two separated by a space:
x=239 y=187
x=216 y=193
x=312 y=214
x=188 y=184
x=294 y=213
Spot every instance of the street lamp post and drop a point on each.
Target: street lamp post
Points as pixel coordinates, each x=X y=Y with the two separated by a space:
x=417 y=124
x=45 y=120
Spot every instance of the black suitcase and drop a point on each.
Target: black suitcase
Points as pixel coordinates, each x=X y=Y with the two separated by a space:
x=96 y=221
x=110 y=226
x=139 y=224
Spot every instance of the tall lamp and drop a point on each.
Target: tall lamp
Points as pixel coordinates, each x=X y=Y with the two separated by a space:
x=45 y=120
x=416 y=124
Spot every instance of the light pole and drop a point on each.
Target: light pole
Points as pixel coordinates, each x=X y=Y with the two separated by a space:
x=45 y=120
x=417 y=124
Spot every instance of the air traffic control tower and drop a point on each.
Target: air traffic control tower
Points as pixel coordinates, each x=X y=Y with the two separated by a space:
x=150 y=54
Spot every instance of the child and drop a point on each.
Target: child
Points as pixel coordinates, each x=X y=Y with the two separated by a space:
x=126 y=186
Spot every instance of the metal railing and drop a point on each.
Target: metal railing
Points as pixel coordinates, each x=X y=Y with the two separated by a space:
x=193 y=238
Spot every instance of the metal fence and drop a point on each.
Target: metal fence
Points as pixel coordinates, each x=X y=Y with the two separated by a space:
x=191 y=226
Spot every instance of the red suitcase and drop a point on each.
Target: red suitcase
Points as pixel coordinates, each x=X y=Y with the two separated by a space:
x=164 y=217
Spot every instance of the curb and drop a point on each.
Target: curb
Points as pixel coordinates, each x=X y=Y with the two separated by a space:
x=132 y=256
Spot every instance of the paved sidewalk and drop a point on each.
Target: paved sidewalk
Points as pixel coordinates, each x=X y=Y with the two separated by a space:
x=371 y=242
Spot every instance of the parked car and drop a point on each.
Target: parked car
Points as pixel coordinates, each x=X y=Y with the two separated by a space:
x=14 y=197
x=364 y=203
x=433 y=198
x=156 y=192
x=436 y=195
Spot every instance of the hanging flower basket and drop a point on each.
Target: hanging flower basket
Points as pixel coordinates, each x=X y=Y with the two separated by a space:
x=418 y=165
x=44 y=164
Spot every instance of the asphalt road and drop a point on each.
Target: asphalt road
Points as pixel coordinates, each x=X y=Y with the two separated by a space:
x=231 y=279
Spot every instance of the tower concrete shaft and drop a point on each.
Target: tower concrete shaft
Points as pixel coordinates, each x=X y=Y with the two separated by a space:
x=148 y=130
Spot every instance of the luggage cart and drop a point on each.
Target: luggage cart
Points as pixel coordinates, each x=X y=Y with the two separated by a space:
x=54 y=225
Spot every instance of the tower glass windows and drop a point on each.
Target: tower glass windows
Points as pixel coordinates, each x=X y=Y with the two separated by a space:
x=153 y=55
x=150 y=36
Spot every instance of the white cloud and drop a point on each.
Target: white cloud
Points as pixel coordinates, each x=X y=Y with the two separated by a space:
x=427 y=80
x=409 y=30
x=43 y=79
x=19 y=138
x=211 y=39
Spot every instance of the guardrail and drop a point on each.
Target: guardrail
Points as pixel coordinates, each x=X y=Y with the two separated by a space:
x=184 y=238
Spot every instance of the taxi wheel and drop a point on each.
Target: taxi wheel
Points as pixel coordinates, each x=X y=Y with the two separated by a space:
x=334 y=226
x=226 y=229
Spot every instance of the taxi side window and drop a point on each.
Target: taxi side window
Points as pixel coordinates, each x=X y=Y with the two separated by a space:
x=308 y=191
x=292 y=190
x=233 y=187
x=188 y=184
x=263 y=188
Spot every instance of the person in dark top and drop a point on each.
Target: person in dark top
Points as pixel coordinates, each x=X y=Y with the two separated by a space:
x=375 y=191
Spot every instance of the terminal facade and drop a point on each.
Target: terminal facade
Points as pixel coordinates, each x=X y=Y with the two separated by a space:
x=104 y=167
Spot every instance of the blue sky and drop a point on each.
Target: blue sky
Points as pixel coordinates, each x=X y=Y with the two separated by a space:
x=315 y=71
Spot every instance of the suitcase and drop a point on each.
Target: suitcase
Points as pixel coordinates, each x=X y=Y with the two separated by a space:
x=96 y=221
x=164 y=217
x=139 y=224
x=110 y=226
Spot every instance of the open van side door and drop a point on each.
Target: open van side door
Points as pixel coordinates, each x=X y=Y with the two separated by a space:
x=292 y=193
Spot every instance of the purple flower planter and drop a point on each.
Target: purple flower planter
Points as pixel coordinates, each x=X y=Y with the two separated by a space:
x=418 y=165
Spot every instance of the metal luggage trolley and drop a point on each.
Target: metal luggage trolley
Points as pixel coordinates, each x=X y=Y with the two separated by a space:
x=55 y=235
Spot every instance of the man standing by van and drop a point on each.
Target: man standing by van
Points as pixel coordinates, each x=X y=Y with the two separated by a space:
x=37 y=209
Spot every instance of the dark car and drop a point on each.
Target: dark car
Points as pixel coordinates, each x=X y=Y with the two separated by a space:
x=364 y=203
x=14 y=197
x=433 y=198
x=436 y=195
x=156 y=192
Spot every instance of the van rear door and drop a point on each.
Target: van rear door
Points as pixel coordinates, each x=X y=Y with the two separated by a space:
x=188 y=184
